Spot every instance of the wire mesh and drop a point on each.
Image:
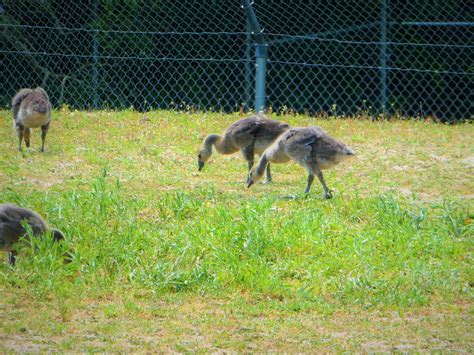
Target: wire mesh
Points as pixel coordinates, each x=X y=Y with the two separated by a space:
x=412 y=58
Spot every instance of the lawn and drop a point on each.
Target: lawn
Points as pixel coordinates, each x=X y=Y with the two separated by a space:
x=163 y=257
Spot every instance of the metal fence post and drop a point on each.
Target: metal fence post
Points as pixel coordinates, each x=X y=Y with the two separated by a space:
x=248 y=68
x=261 y=57
x=95 y=54
x=383 y=56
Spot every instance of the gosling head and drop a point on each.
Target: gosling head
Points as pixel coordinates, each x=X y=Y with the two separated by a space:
x=346 y=152
x=39 y=106
x=340 y=153
x=37 y=102
x=254 y=176
x=57 y=235
x=203 y=157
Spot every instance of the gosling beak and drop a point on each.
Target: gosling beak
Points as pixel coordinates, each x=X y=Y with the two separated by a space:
x=349 y=151
x=200 y=165
x=250 y=183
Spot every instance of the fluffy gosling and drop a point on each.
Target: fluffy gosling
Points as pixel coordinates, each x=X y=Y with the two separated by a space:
x=310 y=147
x=12 y=229
x=31 y=109
x=250 y=135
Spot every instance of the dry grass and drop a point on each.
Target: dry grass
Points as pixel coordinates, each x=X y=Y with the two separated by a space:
x=193 y=323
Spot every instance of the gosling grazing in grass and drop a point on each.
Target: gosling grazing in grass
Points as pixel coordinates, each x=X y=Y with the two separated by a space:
x=310 y=147
x=250 y=135
x=31 y=109
x=12 y=219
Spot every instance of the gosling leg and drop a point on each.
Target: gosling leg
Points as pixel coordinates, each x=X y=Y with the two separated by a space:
x=310 y=181
x=250 y=165
x=26 y=136
x=269 y=175
x=44 y=130
x=12 y=257
x=249 y=155
x=19 y=130
x=327 y=192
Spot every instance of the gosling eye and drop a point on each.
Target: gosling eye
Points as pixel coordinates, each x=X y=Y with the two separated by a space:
x=199 y=155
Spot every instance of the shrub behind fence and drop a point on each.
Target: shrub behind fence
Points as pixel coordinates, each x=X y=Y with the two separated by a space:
x=332 y=56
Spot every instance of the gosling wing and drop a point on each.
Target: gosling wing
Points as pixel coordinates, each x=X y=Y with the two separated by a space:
x=17 y=99
x=298 y=143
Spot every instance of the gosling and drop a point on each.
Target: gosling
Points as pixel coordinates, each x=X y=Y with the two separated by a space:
x=31 y=109
x=250 y=135
x=310 y=147
x=12 y=219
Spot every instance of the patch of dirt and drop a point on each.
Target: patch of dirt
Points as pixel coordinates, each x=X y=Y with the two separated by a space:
x=469 y=161
x=194 y=324
x=44 y=184
x=439 y=158
x=23 y=343
x=401 y=167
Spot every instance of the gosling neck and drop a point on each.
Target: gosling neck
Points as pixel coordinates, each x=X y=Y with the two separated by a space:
x=219 y=143
x=262 y=164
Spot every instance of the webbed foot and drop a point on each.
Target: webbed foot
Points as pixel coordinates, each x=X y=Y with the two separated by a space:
x=328 y=194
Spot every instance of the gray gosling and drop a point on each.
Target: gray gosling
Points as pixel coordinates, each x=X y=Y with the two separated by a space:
x=310 y=147
x=11 y=228
x=31 y=109
x=250 y=135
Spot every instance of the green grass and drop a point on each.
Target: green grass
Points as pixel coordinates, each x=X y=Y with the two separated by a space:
x=172 y=259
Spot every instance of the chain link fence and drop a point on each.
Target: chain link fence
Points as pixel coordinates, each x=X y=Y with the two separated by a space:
x=334 y=57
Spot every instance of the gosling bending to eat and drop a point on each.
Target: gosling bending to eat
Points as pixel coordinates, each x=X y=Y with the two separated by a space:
x=12 y=227
x=310 y=147
x=250 y=135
